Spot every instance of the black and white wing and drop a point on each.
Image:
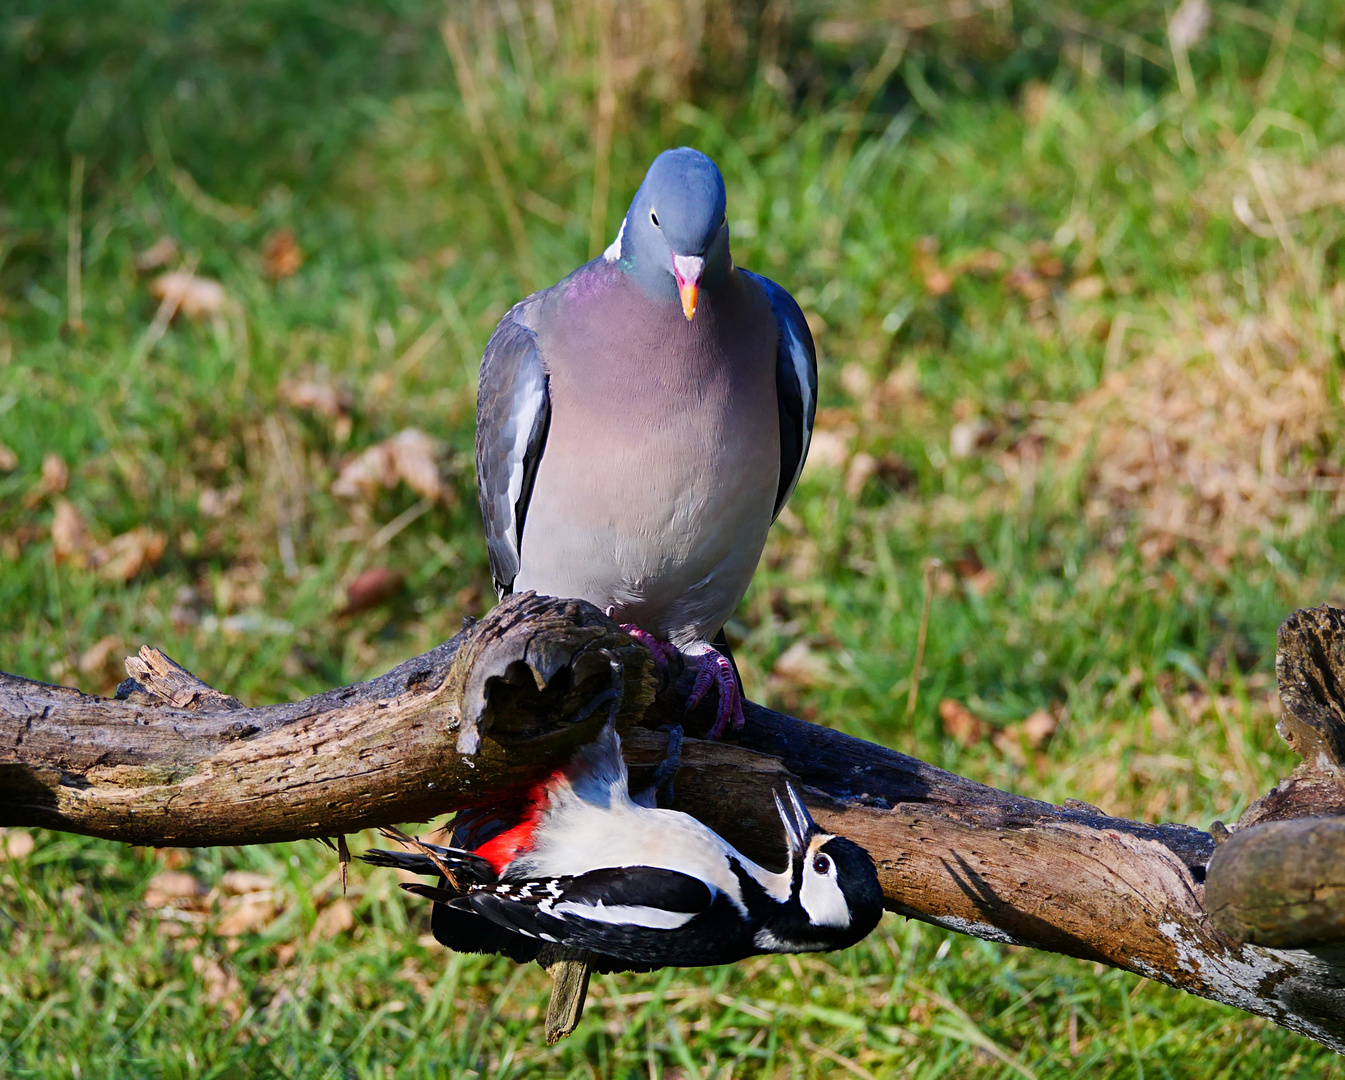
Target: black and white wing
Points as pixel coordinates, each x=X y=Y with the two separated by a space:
x=513 y=410
x=639 y=914
x=795 y=387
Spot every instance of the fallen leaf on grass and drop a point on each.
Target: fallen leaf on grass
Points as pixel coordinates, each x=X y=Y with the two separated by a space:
x=315 y=396
x=1088 y=288
x=222 y=986
x=172 y=887
x=1039 y=727
x=195 y=297
x=801 y=665
x=246 y=914
x=1037 y=101
x=333 y=920
x=938 y=280
x=218 y=502
x=410 y=456
x=160 y=253
x=241 y=882
x=960 y=722
x=370 y=589
x=281 y=254
x=1025 y=281
x=862 y=466
x=69 y=537
x=16 y=844
x=828 y=450
x=969 y=435
x=102 y=658
x=125 y=556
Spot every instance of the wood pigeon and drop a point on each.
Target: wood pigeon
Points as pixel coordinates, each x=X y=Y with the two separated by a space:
x=642 y=422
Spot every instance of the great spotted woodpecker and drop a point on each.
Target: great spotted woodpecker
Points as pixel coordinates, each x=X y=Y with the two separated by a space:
x=588 y=867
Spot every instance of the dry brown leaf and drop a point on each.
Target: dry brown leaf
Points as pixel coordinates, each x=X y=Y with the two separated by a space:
x=802 y=665
x=281 y=254
x=862 y=466
x=938 y=280
x=315 y=396
x=246 y=914
x=125 y=556
x=332 y=920
x=9 y=461
x=219 y=502
x=965 y=438
x=173 y=887
x=222 y=986
x=1038 y=728
x=16 y=844
x=1088 y=288
x=160 y=253
x=104 y=653
x=55 y=474
x=410 y=456
x=69 y=536
x=959 y=721
x=370 y=589
x=240 y=882
x=173 y=858
x=1037 y=101
x=828 y=450
x=195 y=297
x=984 y=262
x=1025 y=281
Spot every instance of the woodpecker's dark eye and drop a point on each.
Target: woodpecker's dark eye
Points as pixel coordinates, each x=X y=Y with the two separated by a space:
x=821 y=864
x=654 y=218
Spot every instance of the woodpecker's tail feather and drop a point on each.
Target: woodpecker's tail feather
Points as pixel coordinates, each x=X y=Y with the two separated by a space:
x=400 y=860
x=431 y=892
x=475 y=867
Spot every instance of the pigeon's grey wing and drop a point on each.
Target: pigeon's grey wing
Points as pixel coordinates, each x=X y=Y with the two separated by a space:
x=795 y=385
x=513 y=410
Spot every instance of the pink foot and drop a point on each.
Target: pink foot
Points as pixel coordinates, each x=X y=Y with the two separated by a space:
x=662 y=650
x=714 y=667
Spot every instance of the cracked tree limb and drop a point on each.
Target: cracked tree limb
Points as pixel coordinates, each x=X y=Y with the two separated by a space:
x=172 y=761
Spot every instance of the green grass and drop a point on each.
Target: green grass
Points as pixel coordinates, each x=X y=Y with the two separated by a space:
x=1069 y=581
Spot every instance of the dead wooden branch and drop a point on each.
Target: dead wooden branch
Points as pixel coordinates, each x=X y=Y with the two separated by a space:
x=171 y=761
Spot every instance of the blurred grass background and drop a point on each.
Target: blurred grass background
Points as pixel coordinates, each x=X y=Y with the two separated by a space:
x=1074 y=274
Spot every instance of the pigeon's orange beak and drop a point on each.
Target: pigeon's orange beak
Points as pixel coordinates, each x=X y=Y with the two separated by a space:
x=688 y=270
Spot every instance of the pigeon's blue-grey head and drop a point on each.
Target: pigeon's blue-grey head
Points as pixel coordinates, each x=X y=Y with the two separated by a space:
x=675 y=237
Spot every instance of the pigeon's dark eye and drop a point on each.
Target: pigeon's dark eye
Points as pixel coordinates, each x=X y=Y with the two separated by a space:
x=821 y=864
x=654 y=218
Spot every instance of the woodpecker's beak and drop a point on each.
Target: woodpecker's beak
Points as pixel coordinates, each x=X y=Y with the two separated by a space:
x=687 y=269
x=796 y=820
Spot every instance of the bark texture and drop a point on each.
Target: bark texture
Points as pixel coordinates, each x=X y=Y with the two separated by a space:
x=1255 y=922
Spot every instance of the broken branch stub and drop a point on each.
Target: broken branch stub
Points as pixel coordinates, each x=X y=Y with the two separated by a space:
x=1279 y=879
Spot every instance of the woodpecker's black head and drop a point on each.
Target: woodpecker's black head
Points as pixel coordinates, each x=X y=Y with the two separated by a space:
x=835 y=899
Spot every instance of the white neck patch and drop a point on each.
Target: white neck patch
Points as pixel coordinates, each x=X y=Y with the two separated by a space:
x=613 y=251
x=821 y=896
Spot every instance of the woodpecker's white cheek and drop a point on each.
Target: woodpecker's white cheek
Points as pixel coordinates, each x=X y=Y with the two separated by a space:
x=822 y=899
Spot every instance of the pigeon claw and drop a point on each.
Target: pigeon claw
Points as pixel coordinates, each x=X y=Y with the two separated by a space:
x=713 y=668
x=662 y=651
